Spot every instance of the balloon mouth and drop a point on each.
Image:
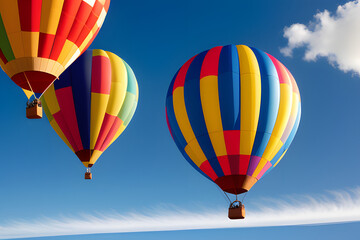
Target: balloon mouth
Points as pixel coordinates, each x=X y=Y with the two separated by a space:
x=236 y=184
x=39 y=81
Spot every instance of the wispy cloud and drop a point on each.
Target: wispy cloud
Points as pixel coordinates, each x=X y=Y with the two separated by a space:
x=333 y=36
x=333 y=207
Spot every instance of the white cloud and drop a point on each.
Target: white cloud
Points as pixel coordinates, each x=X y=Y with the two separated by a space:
x=334 y=36
x=335 y=207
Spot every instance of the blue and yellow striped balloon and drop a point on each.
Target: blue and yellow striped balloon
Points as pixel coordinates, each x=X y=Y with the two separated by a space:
x=92 y=103
x=233 y=112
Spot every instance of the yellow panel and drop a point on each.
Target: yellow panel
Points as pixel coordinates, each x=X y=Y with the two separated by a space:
x=259 y=167
x=51 y=101
x=196 y=149
x=281 y=120
x=69 y=48
x=248 y=61
x=118 y=84
x=99 y=52
x=57 y=129
x=279 y=144
x=10 y=15
x=30 y=43
x=28 y=93
x=295 y=105
x=75 y=53
x=250 y=82
x=193 y=156
x=50 y=16
x=280 y=158
x=98 y=106
x=209 y=94
x=16 y=44
x=86 y=41
x=95 y=156
x=181 y=114
x=247 y=139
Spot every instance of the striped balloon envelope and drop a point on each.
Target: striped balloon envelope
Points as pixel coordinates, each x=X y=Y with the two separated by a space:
x=39 y=39
x=233 y=112
x=92 y=103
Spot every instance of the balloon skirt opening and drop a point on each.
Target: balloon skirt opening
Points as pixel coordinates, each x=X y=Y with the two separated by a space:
x=236 y=184
x=39 y=81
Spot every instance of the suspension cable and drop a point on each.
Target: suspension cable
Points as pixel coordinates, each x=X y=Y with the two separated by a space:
x=48 y=87
x=29 y=85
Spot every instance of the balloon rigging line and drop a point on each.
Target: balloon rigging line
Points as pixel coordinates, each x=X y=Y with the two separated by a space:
x=29 y=85
x=48 y=87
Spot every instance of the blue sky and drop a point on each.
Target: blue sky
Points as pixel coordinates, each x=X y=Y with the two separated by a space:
x=143 y=173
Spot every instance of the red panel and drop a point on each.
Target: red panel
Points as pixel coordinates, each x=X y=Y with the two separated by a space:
x=108 y=122
x=2 y=56
x=207 y=169
x=39 y=81
x=68 y=14
x=30 y=14
x=67 y=108
x=101 y=75
x=92 y=39
x=46 y=42
x=244 y=164
x=79 y=22
x=281 y=71
x=180 y=78
x=82 y=35
x=106 y=6
x=266 y=167
x=210 y=66
x=59 y=118
x=115 y=127
x=234 y=162
x=224 y=163
x=293 y=83
x=232 y=141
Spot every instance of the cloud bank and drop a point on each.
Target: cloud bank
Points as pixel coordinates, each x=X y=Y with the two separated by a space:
x=333 y=36
x=333 y=207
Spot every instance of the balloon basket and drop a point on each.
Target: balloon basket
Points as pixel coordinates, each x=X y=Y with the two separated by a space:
x=236 y=211
x=34 y=110
x=88 y=175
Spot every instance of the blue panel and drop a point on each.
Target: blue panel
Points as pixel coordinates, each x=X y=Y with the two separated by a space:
x=195 y=112
x=80 y=72
x=229 y=88
x=175 y=129
x=270 y=100
x=64 y=80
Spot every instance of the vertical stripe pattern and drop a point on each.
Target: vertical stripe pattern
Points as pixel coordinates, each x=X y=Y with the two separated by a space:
x=92 y=103
x=39 y=39
x=233 y=112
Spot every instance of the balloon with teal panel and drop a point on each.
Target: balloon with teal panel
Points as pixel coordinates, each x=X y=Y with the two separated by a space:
x=92 y=103
x=233 y=112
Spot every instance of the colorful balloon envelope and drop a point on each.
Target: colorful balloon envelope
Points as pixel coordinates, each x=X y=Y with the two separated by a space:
x=39 y=39
x=233 y=112
x=92 y=103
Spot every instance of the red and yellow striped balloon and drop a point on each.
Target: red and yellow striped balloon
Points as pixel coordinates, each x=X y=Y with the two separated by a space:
x=92 y=103
x=233 y=112
x=39 y=39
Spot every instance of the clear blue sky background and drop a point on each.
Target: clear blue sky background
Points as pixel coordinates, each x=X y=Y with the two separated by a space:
x=40 y=176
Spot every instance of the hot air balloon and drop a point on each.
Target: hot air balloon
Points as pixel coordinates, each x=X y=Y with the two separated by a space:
x=39 y=39
x=92 y=104
x=233 y=112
